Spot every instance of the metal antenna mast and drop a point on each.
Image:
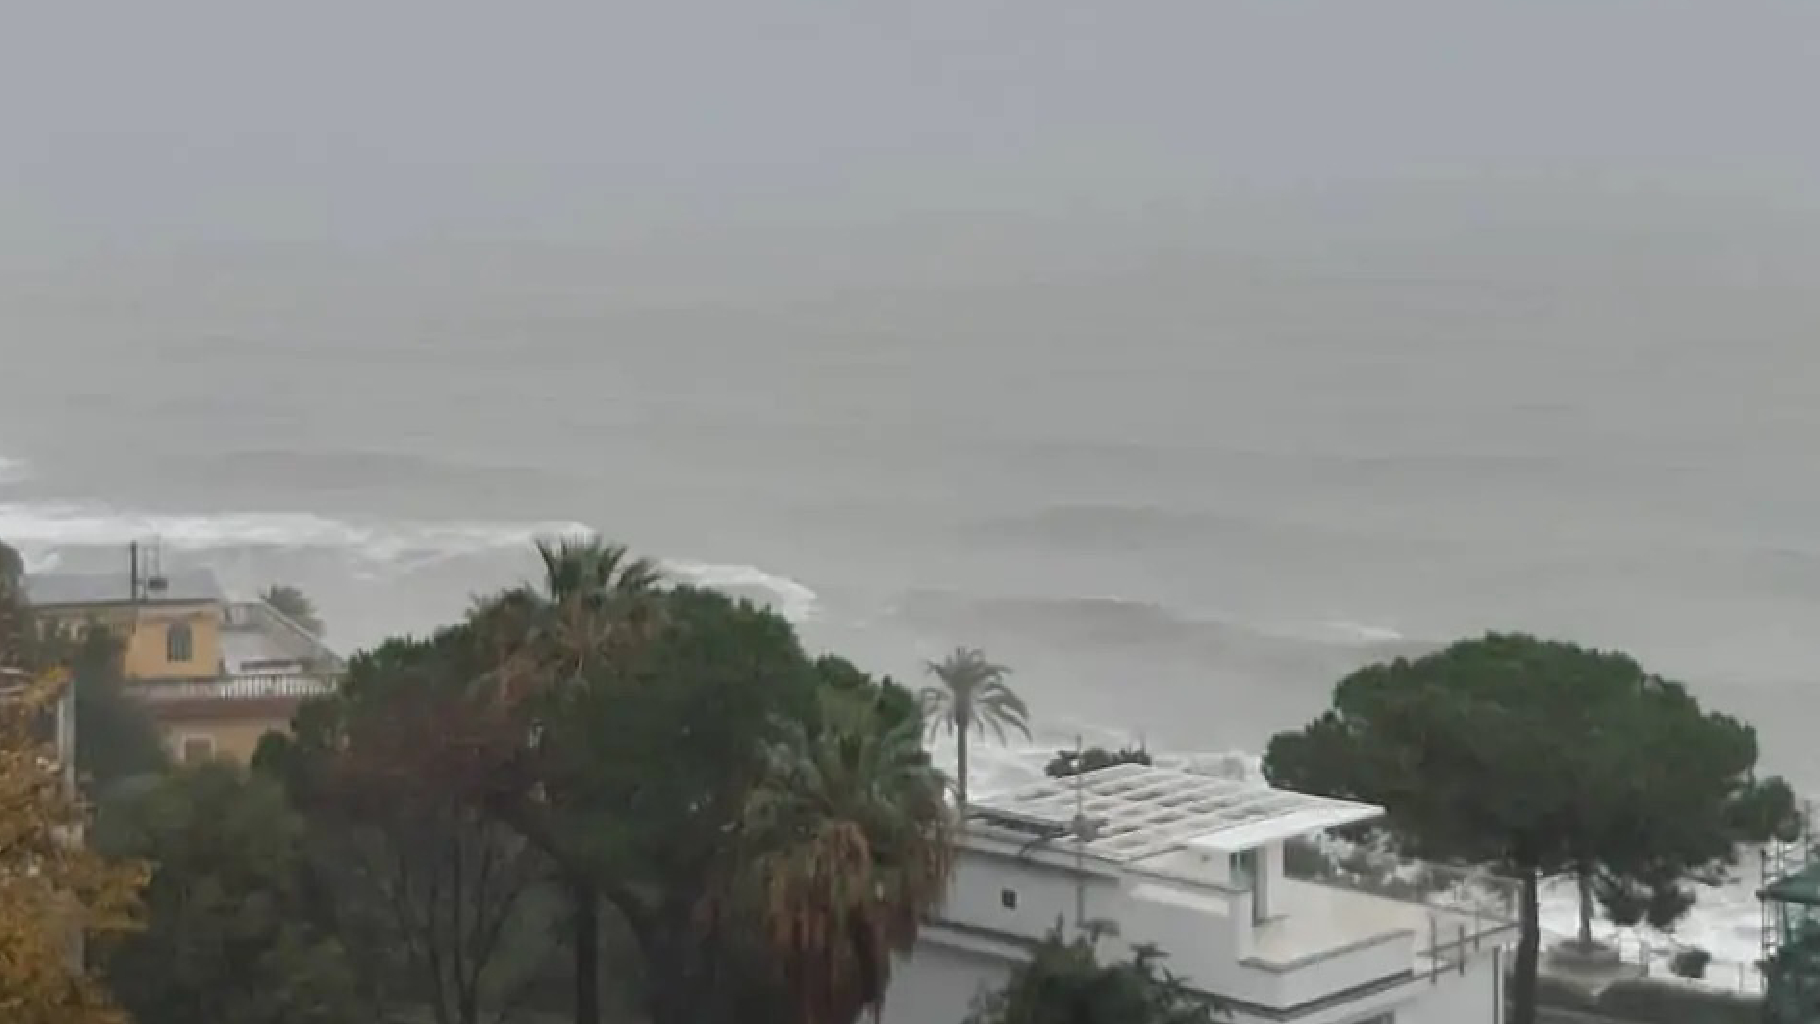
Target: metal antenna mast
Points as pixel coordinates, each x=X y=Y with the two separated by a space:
x=1085 y=830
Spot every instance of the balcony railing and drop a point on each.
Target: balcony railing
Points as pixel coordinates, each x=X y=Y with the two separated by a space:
x=1462 y=908
x=246 y=687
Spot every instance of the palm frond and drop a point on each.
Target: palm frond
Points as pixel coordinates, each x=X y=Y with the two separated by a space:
x=844 y=848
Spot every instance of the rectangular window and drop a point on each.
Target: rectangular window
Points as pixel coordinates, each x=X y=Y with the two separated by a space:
x=1007 y=898
x=179 y=644
x=197 y=749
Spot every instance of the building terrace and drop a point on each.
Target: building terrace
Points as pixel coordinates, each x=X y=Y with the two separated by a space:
x=1227 y=878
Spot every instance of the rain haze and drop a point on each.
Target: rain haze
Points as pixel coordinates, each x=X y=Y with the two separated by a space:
x=1183 y=355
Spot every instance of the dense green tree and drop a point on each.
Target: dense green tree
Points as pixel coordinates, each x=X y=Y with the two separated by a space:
x=17 y=635
x=435 y=895
x=640 y=772
x=842 y=850
x=227 y=937
x=12 y=565
x=1064 y=982
x=1538 y=759
x=295 y=605
x=972 y=697
x=896 y=705
x=117 y=738
x=622 y=730
x=1067 y=763
x=597 y=602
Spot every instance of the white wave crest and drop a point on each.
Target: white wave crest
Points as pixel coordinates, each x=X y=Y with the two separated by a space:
x=793 y=600
x=45 y=526
x=1364 y=632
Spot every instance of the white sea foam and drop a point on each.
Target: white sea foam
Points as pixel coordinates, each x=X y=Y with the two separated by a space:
x=1726 y=921
x=793 y=600
x=1364 y=632
x=41 y=527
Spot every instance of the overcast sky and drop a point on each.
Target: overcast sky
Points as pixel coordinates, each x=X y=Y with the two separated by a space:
x=141 y=125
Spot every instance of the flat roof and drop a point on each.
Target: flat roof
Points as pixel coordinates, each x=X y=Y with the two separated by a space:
x=58 y=589
x=1146 y=811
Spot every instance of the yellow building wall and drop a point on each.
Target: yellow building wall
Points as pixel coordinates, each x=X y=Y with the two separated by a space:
x=144 y=632
x=231 y=739
x=147 y=646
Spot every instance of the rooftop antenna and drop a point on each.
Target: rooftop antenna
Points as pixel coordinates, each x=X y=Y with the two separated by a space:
x=155 y=580
x=1085 y=830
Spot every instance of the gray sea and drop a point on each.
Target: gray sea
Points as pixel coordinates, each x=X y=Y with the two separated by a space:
x=1181 y=480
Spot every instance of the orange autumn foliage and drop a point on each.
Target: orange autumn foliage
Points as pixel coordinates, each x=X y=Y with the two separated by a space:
x=55 y=892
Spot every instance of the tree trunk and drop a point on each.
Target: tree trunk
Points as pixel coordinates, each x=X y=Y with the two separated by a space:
x=1586 y=907
x=1529 y=949
x=960 y=768
x=586 y=905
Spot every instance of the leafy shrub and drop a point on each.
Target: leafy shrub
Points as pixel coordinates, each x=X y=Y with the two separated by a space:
x=1065 y=980
x=1304 y=858
x=1067 y=763
x=1690 y=962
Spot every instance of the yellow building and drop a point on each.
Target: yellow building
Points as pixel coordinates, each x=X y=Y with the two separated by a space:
x=216 y=674
x=169 y=627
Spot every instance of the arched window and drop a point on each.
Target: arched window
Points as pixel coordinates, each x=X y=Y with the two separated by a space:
x=179 y=645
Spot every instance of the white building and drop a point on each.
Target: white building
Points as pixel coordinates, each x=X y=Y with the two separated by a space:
x=1196 y=866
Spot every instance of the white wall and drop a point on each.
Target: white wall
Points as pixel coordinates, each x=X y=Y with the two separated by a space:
x=1044 y=893
x=1270 y=880
x=1316 y=979
x=1199 y=933
x=938 y=983
x=1206 y=931
x=1456 y=999
x=1212 y=867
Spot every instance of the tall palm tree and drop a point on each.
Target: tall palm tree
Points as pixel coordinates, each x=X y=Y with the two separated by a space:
x=839 y=855
x=596 y=598
x=596 y=602
x=972 y=697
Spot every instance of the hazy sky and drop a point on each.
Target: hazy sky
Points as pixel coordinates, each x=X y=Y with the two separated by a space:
x=145 y=125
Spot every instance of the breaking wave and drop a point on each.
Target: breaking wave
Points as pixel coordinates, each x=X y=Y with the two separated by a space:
x=791 y=599
x=42 y=531
x=1103 y=622
x=46 y=526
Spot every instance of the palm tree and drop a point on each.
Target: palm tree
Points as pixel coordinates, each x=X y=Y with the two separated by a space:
x=972 y=697
x=595 y=603
x=840 y=853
